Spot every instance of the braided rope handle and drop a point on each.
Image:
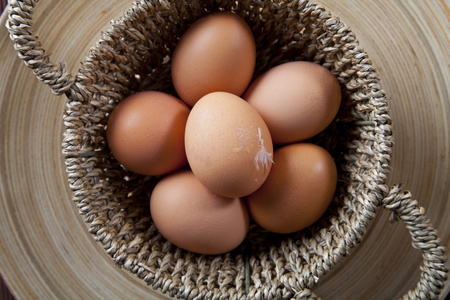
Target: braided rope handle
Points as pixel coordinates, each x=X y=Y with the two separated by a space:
x=30 y=50
x=424 y=238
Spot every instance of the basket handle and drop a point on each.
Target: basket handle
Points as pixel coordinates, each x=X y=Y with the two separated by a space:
x=424 y=237
x=30 y=50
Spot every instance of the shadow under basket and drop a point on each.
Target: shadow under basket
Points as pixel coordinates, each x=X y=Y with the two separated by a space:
x=134 y=55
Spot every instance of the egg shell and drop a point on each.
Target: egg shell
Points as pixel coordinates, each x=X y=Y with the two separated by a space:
x=298 y=191
x=192 y=217
x=297 y=100
x=217 y=53
x=228 y=145
x=145 y=133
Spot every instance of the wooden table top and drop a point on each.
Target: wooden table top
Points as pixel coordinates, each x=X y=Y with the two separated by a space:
x=4 y=291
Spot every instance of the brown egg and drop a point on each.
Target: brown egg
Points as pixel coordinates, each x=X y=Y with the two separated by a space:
x=297 y=100
x=298 y=190
x=190 y=216
x=217 y=53
x=145 y=133
x=228 y=145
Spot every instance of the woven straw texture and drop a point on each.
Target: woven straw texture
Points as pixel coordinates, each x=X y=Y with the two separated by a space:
x=134 y=55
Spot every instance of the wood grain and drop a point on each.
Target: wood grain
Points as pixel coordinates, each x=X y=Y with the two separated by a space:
x=45 y=249
x=5 y=294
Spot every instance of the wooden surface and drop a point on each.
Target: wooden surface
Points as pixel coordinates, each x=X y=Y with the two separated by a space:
x=45 y=249
x=5 y=294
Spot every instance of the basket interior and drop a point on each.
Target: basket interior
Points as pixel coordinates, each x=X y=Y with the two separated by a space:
x=134 y=55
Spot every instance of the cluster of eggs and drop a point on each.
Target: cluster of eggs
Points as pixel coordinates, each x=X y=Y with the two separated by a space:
x=229 y=149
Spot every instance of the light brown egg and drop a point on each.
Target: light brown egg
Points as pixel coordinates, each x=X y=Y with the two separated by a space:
x=145 y=133
x=297 y=100
x=190 y=216
x=217 y=53
x=298 y=190
x=228 y=145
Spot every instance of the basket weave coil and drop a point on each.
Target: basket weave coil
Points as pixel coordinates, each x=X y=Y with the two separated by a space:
x=134 y=55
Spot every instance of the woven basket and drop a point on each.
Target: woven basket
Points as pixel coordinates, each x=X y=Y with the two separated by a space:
x=134 y=55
